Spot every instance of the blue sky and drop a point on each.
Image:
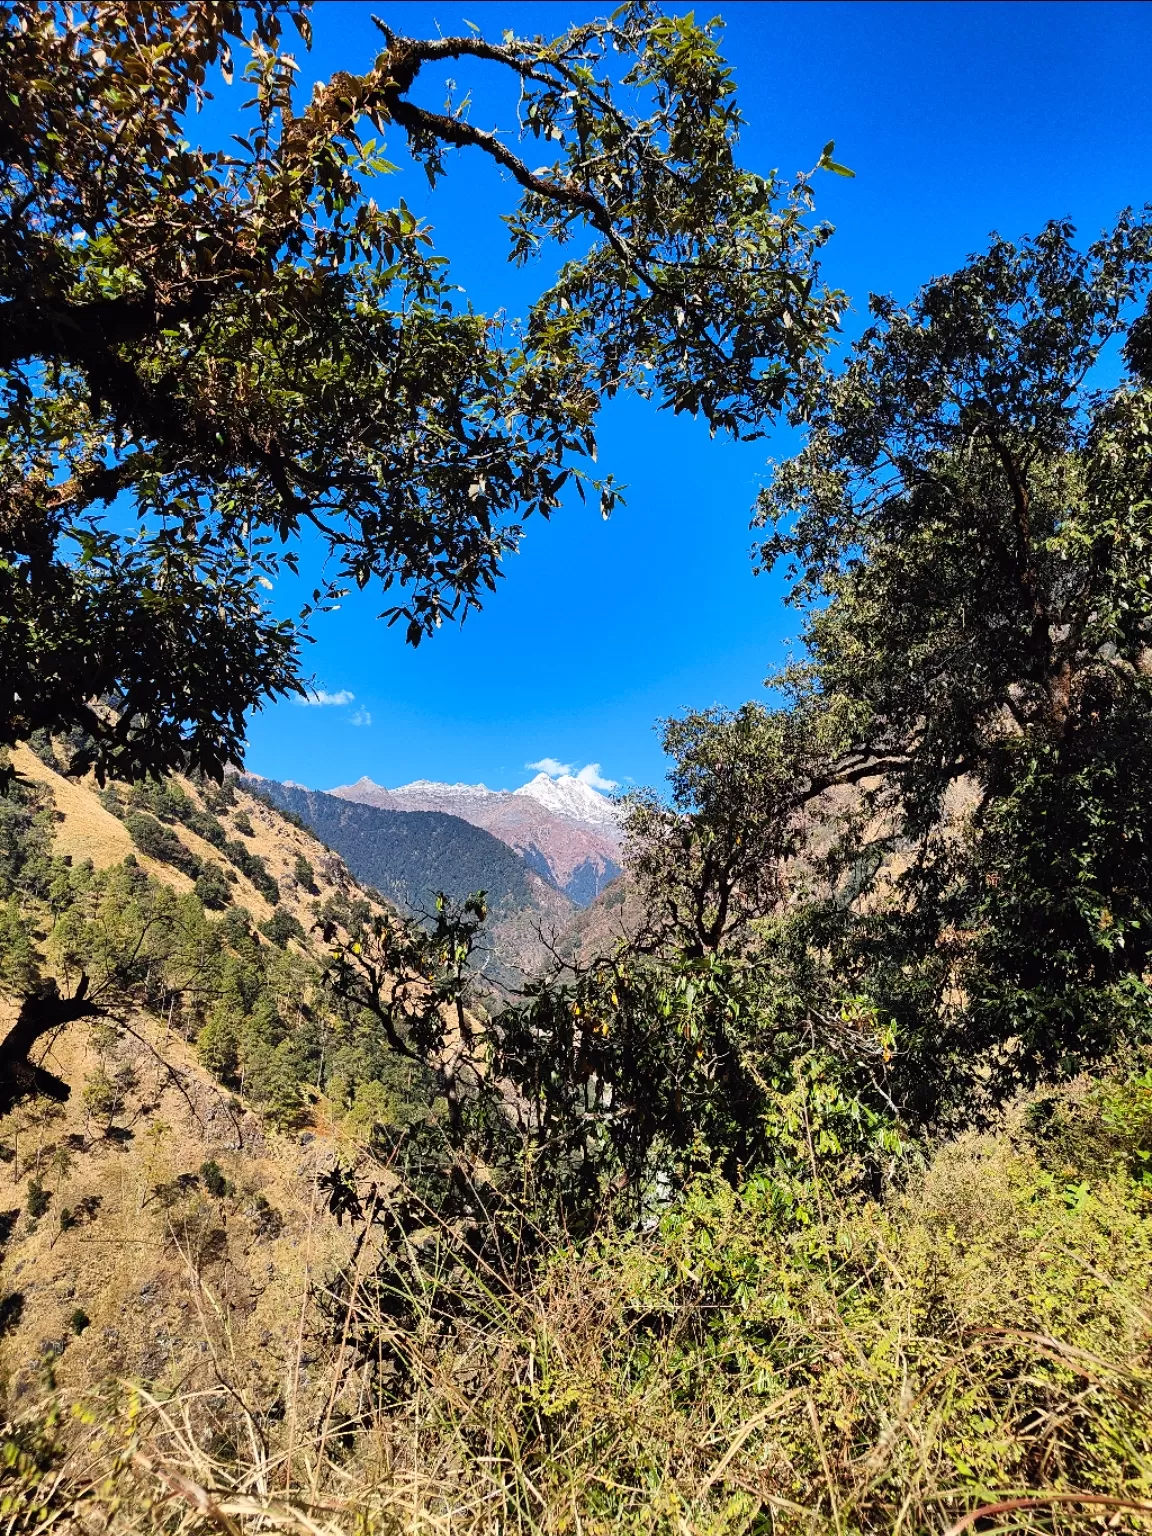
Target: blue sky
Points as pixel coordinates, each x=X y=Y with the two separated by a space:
x=958 y=119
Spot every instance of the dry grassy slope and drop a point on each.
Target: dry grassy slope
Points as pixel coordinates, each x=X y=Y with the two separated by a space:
x=85 y=830
x=157 y=1284
x=208 y=1289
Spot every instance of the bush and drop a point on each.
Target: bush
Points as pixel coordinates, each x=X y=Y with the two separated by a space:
x=38 y=1199
x=212 y=887
x=79 y=1320
x=103 y=1097
x=214 y=1181
x=281 y=927
x=883 y=1367
x=40 y=742
x=159 y=843
x=243 y=824
x=253 y=866
x=216 y=797
x=266 y=1219
x=305 y=875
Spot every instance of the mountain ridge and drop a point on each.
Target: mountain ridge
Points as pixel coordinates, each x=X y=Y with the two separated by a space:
x=410 y=855
x=562 y=829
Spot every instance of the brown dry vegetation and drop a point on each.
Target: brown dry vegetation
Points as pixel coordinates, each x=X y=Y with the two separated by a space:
x=180 y=1355
x=982 y=1337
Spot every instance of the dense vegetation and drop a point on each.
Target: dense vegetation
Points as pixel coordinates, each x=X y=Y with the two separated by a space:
x=257 y=1013
x=821 y=1201
x=242 y=348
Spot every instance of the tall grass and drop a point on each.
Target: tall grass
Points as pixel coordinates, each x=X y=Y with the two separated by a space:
x=975 y=1353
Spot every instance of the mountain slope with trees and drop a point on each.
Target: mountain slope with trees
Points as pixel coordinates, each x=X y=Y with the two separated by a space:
x=577 y=856
x=411 y=856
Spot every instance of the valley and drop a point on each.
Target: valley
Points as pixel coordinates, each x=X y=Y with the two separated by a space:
x=562 y=829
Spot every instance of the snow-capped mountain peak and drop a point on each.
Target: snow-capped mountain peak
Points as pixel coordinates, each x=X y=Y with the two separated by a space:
x=572 y=798
x=446 y=791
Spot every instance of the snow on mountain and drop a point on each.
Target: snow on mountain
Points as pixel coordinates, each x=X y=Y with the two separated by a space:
x=563 y=830
x=571 y=798
x=444 y=791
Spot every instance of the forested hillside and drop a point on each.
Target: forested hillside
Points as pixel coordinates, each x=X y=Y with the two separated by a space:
x=408 y=855
x=412 y=856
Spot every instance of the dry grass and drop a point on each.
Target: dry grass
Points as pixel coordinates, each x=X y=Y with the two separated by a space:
x=85 y=830
x=983 y=1342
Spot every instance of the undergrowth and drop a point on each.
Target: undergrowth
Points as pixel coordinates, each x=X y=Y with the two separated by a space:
x=980 y=1340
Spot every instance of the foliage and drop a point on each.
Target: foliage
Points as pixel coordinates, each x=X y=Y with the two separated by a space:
x=708 y=861
x=944 y=818
x=241 y=347
x=281 y=927
x=212 y=887
x=214 y=1181
x=979 y=1336
x=19 y=958
x=159 y=843
x=25 y=841
x=103 y=1096
x=37 y=1199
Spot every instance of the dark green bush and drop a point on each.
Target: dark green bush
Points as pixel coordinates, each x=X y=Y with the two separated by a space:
x=281 y=927
x=38 y=1199
x=213 y=1178
x=212 y=887
x=158 y=842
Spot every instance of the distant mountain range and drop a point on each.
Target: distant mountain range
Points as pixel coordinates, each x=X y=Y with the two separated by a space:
x=561 y=828
x=409 y=856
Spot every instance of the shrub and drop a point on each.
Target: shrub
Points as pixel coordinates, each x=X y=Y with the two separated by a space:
x=217 y=797
x=214 y=1181
x=281 y=927
x=79 y=1320
x=212 y=887
x=38 y=1199
x=266 y=1219
x=243 y=824
x=253 y=866
x=159 y=842
x=103 y=1098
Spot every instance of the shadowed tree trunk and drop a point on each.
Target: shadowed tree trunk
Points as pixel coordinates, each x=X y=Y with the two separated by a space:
x=39 y=1015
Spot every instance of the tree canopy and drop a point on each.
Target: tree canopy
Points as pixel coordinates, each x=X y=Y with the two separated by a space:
x=967 y=529
x=209 y=355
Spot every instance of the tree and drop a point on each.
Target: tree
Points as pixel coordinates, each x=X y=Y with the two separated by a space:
x=237 y=348
x=710 y=859
x=416 y=983
x=969 y=533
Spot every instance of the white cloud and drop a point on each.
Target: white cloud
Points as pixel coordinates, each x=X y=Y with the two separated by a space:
x=361 y=717
x=590 y=775
x=550 y=766
x=321 y=699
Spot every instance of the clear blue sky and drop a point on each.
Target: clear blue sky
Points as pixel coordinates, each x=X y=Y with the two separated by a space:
x=958 y=119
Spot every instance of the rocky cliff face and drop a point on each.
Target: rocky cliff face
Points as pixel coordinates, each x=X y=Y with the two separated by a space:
x=561 y=828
